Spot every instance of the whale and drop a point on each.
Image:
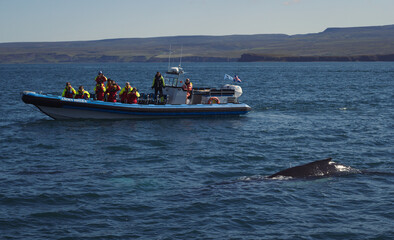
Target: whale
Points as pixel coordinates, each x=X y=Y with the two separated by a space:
x=316 y=169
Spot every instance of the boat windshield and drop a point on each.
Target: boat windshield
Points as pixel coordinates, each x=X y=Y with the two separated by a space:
x=171 y=80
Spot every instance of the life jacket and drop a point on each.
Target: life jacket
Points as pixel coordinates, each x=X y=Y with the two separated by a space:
x=101 y=79
x=68 y=92
x=99 y=88
x=123 y=93
x=84 y=95
x=188 y=88
x=132 y=97
x=158 y=82
x=114 y=88
x=112 y=92
x=108 y=85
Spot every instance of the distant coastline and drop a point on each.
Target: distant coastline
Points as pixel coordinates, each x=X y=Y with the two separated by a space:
x=361 y=58
x=334 y=44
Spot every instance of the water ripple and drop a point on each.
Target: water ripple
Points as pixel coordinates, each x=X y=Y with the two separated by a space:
x=203 y=178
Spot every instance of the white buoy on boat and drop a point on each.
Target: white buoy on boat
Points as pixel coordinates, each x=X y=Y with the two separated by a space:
x=237 y=89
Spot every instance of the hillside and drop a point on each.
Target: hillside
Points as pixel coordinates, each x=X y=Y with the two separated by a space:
x=343 y=44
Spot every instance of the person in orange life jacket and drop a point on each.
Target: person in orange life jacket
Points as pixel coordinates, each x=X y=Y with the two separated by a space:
x=158 y=84
x=68 y=91
x=133 y=96
x=188 y=86
x=82 y=93
x=112 y=90
x=99 y=89
x=100 y=78
x=124 y=92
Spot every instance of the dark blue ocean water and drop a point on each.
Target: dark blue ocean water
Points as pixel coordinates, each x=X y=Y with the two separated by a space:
x=202 y=178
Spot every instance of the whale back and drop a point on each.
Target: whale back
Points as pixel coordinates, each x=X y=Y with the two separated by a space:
x=320 y=168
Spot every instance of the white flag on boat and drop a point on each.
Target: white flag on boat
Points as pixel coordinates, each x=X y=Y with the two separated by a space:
x=226 y=76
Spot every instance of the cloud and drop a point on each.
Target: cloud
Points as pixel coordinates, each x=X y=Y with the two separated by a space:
x=287 y=3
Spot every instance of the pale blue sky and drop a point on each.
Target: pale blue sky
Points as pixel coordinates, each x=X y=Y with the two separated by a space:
x=69 y=20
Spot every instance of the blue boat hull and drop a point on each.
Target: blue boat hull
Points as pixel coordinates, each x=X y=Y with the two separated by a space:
x=58 y=107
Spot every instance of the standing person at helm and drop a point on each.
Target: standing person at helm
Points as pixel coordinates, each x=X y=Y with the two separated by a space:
x=100 y=78
x=68 y=91
x=158 y=84
x=188 y=86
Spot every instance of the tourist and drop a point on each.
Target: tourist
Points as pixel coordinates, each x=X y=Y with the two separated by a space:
x=82 y=93
x=107 y=86
x=124 y=92
x=100 y=78
x=132 y=97
x=99 y=90
x=112 y=90
x=68 y=91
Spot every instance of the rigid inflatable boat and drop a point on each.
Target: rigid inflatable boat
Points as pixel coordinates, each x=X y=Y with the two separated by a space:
x=204 y=102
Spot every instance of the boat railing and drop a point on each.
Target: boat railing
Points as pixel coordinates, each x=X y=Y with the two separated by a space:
x=213 y=92
x=151 y=99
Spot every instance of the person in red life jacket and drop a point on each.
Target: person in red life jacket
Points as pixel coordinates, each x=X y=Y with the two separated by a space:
x=100 y=78
x=68 y=91
x=82 y=93
x=124 y=92
x=132 y=97
x=112 y=90
x=188 y=86
x=99 y=90
x=107 y=86
x=158 y=84
x=109 y=82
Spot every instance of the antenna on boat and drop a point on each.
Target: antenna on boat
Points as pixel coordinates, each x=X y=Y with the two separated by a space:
x=169 y=60
x=174 y=70
x=180 y=59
